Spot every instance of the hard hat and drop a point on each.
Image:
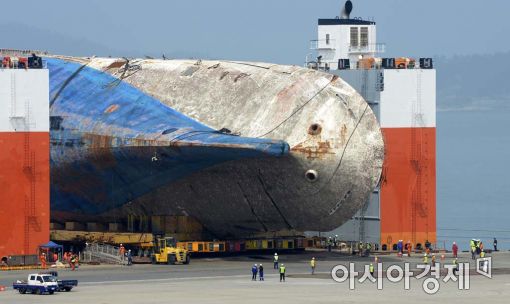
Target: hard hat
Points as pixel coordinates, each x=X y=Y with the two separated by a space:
x=313 y=258
x=275 y=253
x=255 y=264
x=283 y=264
x=454 y=243
x=260 y=264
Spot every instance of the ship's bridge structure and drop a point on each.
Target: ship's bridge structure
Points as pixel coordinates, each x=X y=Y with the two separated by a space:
x=343 y=40
x=402 y=94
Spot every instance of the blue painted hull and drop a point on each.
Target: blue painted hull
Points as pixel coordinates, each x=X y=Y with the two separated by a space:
x=139 y=138
x=112 y=143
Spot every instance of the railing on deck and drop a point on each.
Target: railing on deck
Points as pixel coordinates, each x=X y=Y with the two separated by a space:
x=322 y=44
x=370 y=48
x=103 y=253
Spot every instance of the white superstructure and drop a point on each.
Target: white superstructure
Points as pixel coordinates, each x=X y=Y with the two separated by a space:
x=344 y=38
x=24 y=100
x=402 y=94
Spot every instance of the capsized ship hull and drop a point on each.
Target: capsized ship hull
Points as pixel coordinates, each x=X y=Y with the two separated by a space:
x=141 y=137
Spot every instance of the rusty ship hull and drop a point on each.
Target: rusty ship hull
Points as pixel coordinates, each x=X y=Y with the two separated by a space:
x=242 y=147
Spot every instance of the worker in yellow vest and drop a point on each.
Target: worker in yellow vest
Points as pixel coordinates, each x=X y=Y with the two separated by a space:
x=371 y=269
x=425 y=259
x=312 y=265
x=275 y=261
x=472 y=246
x=282 y=272
x=456 y=269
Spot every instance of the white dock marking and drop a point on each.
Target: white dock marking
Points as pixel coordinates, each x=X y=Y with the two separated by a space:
x=248 y=277
x=171 y=279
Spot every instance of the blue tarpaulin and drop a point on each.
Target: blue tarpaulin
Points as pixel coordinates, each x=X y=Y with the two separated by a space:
x=50 y=245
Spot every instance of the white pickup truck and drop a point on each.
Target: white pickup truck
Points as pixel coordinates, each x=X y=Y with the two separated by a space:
x=37 y=283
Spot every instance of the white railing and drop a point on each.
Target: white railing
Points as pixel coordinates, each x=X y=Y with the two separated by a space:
x=103 y=248
x=323 y=44
x=104 y=253
x=370 y=48
x=13 y=52
x=322 y=66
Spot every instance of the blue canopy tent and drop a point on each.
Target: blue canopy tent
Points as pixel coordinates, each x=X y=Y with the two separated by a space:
x=51 y=247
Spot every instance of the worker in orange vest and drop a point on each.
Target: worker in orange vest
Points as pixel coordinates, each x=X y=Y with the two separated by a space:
x=122 y=250
x=43 y=260
x=455 y=249
x=409 y=248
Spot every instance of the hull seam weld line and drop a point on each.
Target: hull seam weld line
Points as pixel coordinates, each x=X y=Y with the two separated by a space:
x=272 y=201
x=251 y=207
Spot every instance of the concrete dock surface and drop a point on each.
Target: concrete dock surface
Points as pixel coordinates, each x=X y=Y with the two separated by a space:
x=228 y=280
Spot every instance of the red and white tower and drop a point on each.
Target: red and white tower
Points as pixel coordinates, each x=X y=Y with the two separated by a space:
x=24 y=157
x=402 y=93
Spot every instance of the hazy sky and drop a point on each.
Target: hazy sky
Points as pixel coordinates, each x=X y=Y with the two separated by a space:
x=274 y=31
